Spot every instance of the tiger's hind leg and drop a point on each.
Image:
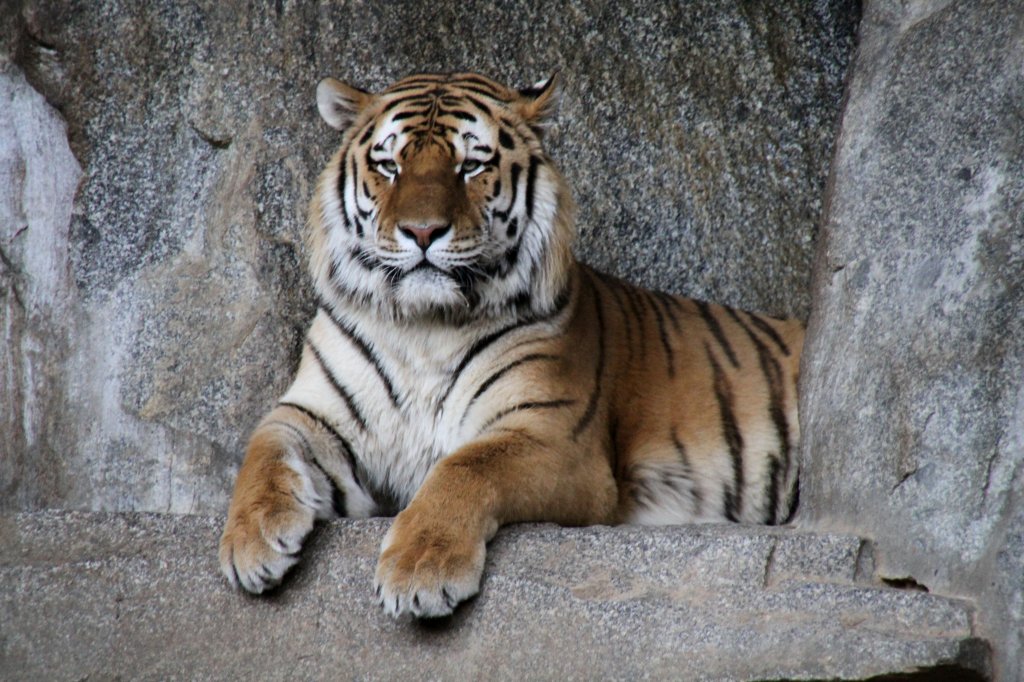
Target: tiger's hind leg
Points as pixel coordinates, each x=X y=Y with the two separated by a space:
x=293 y=474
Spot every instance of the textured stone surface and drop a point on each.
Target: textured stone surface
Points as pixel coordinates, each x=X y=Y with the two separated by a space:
x=38 y=179
x=139 y=596
x=696 y=137
x=913 y=403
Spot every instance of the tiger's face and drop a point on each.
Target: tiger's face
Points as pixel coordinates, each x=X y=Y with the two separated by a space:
x=441 y=200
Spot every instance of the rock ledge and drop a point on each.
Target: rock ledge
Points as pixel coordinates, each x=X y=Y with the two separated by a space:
x=97 y=595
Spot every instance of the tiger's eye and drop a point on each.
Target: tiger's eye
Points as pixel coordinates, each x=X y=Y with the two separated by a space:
x=469 y=166
x=387 y=167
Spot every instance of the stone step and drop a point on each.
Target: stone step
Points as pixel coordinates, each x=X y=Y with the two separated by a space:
x=139 y=596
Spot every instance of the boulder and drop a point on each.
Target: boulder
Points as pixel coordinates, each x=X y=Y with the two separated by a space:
x=913 y=397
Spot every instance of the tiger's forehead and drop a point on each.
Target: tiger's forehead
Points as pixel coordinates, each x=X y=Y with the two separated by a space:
x=455 y=108
x=451 y=84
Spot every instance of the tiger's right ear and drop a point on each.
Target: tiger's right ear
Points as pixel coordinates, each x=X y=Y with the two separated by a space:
x=340 y=103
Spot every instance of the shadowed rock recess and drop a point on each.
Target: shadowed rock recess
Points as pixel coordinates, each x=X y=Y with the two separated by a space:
x=155 y=164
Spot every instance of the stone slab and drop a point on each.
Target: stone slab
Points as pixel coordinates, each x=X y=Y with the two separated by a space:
x=139 y=596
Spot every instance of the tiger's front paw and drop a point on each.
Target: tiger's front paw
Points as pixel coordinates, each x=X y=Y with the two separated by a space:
x=258 y=548
x=427 y=568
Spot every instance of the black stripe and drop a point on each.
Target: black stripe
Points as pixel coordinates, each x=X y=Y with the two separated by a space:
x=560 y=303
x=513 y=227
x=341 y=390
x=792 y=502
x=500 y=373
x=346 y=447
x=480 y=105
x=363 y=258
x=409 y=113
x=772 y=493
x=421 y=79
x=671 y=306
x=695 y=491
x=470 y=78
x=769 y=331
x=505 y=140
x=533 y=405
x=338 y=497
x=531 y=181
x=355 y=199
x=490 y=94
x=773 y=376
x=459 y=114
x=408 y=99
x=588 y=414
x=616 y=288
x=659 y=318
x=510 y=259
x=731 y=434
x=342 y=179
x=473 y=351
x=514 y=171
x=370 y=127
x=337 y=493
x=418 y=84
x=716 y=331
x=364 y=348
x=638 y=316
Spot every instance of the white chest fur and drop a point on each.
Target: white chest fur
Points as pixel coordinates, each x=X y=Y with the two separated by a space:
x=386 y=389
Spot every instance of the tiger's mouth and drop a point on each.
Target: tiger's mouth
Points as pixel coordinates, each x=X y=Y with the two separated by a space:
x=465 y=277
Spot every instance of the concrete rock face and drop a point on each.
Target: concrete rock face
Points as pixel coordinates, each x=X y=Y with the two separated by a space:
x=170 y=309
x=913 y=402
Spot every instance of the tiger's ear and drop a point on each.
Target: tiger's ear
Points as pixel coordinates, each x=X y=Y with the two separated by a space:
x=340 y=103
x=538 y=103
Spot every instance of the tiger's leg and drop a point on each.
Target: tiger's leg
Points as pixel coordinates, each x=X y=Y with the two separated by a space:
x=294 y=472
x=432 y=558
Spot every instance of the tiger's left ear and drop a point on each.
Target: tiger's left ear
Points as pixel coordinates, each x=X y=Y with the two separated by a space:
x=538 y=104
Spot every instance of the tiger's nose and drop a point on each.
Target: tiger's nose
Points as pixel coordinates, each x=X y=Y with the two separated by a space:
x=425 y=235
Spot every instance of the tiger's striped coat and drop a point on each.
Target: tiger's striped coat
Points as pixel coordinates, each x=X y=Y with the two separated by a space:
x=465 y=372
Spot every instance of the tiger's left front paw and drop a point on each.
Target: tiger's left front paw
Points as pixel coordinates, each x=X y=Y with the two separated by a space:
x=427 y=568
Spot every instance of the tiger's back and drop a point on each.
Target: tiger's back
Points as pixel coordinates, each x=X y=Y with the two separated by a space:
x=465 y=370
x=703 y=410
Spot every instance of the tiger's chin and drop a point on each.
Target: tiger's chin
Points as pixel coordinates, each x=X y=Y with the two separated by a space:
x=429 y=293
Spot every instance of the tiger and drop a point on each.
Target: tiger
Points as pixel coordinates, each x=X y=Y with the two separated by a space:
x=464 y=371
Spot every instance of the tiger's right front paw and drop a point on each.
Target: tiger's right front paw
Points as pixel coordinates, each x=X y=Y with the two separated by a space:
x=257 y=549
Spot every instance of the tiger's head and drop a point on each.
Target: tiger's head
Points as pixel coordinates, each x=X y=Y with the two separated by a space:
x=441 y=202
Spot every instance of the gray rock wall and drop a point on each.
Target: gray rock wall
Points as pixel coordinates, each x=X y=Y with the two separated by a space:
x=913 y=402
x=696 y=137
x=38 y=180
